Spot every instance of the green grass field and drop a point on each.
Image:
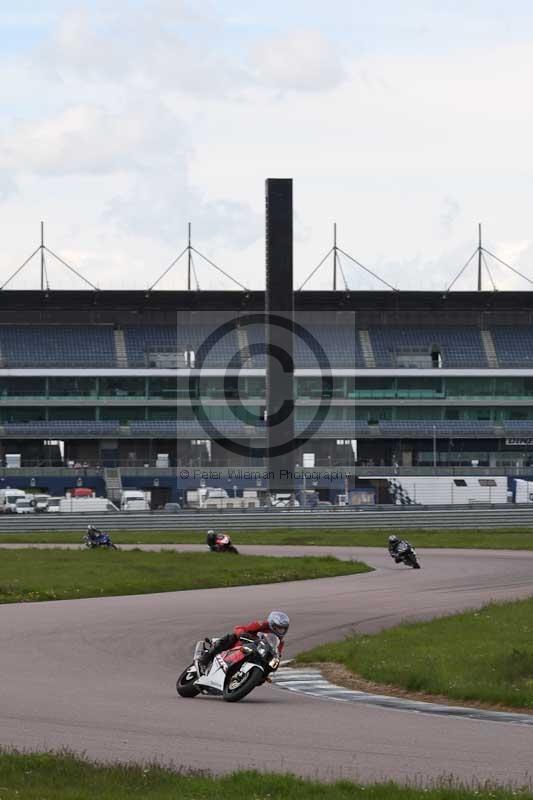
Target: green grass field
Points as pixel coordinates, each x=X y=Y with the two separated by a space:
x=484 y=655
x=510 y=539
x=63 y=777
x=32 y=574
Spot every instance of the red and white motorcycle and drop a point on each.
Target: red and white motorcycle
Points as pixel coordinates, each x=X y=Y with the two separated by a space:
x=220 y=543
x=235 y=672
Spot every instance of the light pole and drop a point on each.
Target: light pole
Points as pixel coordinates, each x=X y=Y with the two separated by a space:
x=434 y=447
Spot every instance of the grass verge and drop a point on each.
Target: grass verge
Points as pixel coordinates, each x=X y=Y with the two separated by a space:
x=508 y=539
x=32 y=574
x=64 y=777
x=484 y=656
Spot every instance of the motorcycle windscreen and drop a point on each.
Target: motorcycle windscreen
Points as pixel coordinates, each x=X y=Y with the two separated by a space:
x=273 y=640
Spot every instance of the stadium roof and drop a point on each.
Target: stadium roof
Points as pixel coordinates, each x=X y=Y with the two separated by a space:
x=370 y=307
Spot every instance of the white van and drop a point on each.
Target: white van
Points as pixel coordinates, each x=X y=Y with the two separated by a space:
x=134 y=500
x=54 y=505
x=40 y=502
x=8 y=499
x=24 y=505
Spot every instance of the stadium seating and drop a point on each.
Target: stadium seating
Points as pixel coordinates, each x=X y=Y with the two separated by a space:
x=518 y=427
x=185 y=428
x=458 y=346
x=143 y=341
x=57 y=345
x=339 y=343
x=441 y=428
x=59 y=428
x=513 y=345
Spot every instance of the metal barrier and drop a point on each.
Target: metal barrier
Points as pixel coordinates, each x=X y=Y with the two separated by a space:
x=377 y=518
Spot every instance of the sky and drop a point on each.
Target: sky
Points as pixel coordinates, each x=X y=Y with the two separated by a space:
x=406 y=123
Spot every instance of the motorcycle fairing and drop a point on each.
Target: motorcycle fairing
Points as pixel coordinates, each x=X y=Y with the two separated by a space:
x=233 y=656
x=214 y=679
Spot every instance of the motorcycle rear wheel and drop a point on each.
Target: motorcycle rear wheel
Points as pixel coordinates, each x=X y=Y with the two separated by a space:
x=245 y=686
x=184 y=687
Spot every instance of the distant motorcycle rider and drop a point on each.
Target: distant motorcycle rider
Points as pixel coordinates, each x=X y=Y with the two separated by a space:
x=220 y=543
x=94 y=533
x=396 y=546
x=277 y=622
x=211 y=539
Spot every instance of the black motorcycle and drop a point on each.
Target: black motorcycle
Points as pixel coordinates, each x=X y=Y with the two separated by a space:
x=406 y=554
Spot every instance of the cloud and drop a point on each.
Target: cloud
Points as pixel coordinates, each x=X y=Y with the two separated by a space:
x=301 y=61
x=159 y=205
x=147 y=48
x=449 y=214
x=88 y=139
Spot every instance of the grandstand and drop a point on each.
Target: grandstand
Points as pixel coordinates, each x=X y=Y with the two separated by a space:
x=110 y=379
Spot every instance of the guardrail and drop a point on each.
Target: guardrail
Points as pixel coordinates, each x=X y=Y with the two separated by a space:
x=378 y=518
x=358 y=471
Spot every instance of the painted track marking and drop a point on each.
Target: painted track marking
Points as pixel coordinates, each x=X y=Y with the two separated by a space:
x=312 y=682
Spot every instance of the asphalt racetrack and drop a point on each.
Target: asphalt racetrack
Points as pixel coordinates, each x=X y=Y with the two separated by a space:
x=98 y=676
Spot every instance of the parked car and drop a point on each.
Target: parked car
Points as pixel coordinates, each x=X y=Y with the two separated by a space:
x=40 y=502
x=171 y=508
x=24 y=506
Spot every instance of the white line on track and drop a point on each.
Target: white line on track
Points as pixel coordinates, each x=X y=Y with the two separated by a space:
x=313 y=683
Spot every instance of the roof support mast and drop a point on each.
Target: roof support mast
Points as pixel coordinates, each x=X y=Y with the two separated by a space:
x=334 y=256
x=189 y=260
x=479 y=261
x=42 y=256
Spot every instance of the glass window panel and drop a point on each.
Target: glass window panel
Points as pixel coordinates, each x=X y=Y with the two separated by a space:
x=469 y=387
x=122 y=387
x=171 y=388
x=71 y=412
x=22 y=414
x=22 y=387
x=72 y=387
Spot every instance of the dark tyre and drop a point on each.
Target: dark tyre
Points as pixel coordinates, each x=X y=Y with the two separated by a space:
x=233 y=549
x=184 y=684
x=113 y=547
x=416 y=565
x=235 y=689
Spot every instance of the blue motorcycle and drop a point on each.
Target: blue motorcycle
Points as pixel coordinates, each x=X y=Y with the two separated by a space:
x=94 y=539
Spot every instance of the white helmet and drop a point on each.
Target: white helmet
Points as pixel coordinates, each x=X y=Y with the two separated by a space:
x=278 y=622
x=393 y=539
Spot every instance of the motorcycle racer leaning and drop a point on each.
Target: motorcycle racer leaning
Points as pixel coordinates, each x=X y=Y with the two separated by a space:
x=395 y=545
x=277 y=622
x=93 y=533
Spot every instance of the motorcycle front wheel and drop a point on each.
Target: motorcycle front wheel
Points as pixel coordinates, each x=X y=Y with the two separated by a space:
x=237 y=687
x=184 y=684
